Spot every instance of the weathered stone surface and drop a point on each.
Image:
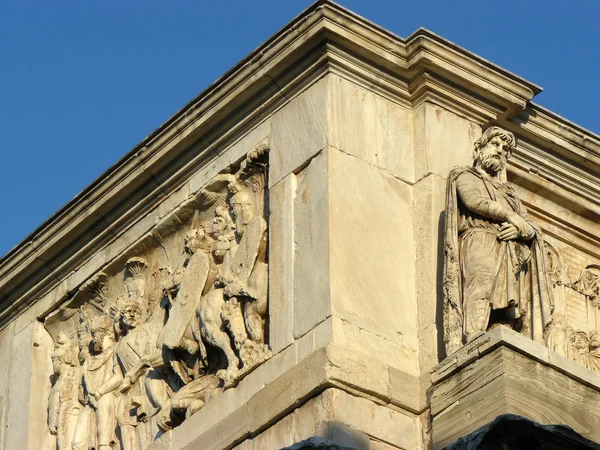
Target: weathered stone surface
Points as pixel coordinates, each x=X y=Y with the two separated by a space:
x=369 y=342
x=315 y=339
x=429 y=201
x=377 y=421
x=299 y=130
x=443 y=140
x=368 y=254
x=27 y=400
x=6 y=336
x=281 y=251
x=505 y=381
x=278 y=436
x=408 y=391
x=372 y=128
x=312 y=291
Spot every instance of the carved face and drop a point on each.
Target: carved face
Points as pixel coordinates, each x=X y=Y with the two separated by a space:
x=223 y=230
x=131 y=315
x=494 y=154
x=196 y=240
x=64 y=354
x=102 y=339
x=242 y=211
x=222 y=225
x=594 y=340
x=580 y=341
x=57 y=360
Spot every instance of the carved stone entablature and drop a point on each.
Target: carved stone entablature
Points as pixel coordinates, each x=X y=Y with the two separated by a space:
x=152 y=338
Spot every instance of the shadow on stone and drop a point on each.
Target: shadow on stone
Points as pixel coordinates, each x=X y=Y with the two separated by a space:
x=510 y=432
x=318 y=444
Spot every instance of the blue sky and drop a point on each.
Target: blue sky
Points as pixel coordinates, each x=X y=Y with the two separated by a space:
x=85 y=81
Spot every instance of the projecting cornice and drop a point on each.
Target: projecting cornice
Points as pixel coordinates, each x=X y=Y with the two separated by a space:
x=325 y=38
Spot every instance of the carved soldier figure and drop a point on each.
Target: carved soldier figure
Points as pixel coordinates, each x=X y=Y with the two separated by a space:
x=63 y=407
x=131 y=376
x=558 y=335
x=494 y=256
x=594 y=354
x=96 y=425
x=195 y=274
x=249 y=268
x=129 y=368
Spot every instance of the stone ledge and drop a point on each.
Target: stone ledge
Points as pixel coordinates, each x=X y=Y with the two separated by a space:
x=261 y=400
x=503 y=336
x=503 y=372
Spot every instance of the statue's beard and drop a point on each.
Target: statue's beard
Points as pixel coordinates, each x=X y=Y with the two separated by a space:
x=492 y=163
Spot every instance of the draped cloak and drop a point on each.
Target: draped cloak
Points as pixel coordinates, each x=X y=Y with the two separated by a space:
x=478 y=265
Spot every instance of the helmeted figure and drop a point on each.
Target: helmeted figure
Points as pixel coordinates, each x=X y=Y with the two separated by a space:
x=139 y=387
x=63 y=406
x=96 y=424
x=494 y=254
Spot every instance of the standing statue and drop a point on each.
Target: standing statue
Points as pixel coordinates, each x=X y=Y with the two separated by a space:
x=494 y=259
x=63 y=406
x=96 y=424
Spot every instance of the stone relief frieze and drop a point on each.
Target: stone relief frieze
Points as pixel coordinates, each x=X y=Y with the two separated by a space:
x=500 y=270
x=575 y=328
x=150 y=340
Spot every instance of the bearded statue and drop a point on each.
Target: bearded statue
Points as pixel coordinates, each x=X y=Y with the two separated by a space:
x=494 y=271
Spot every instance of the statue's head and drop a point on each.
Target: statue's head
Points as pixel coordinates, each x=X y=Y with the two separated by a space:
x=223 y=231
x=65 y=353
x=198 y=239
x=580 y=341
x=493 y=149
x=131 y=314
x=103 y=334
x=242 y=209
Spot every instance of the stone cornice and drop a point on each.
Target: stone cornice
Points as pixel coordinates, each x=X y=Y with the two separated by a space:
x=559 y=158
x=324 y=38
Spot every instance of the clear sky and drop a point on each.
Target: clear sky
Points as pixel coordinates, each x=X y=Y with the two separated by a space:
x=84 y=81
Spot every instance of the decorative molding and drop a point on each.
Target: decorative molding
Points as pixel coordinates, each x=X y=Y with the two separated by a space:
x=325 y=38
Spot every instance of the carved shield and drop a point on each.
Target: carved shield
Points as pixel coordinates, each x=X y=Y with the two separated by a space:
x=186 y=302
x=247 y=252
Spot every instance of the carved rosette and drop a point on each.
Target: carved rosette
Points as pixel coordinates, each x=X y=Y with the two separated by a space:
x=150 y=340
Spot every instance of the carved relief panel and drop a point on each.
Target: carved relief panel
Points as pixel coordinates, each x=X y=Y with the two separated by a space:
x=154 y=337
x=575 y=329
